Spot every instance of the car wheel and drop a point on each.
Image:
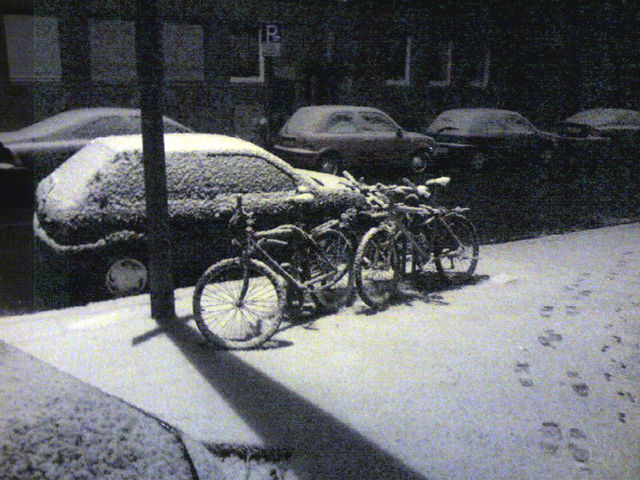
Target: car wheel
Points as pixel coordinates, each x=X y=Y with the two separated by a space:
x=479 y=161
x=330 y=163
x=422 y=161
x=125 y=276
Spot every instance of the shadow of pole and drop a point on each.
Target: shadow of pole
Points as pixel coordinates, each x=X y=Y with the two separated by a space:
x=323 y=447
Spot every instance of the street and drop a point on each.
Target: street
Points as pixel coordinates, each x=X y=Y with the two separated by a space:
x=529 y=372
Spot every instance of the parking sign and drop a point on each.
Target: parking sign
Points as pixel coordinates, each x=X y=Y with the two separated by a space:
x=271 y=35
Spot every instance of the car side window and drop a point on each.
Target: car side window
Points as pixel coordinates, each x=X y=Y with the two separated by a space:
x=135 y=126
x=374 y=122
x=341 y=123
x=101 y=127
x=206 y=175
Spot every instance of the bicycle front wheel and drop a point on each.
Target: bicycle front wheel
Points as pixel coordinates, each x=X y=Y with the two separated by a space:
x=238 y=307
x=376 y=268
x=457 y=249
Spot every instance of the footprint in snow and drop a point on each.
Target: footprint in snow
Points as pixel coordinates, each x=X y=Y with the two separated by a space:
x=581 y=389
x=523 y=369
x=549 y=338
x=551 y=437
x=627 y=396
x=572 y=310
x=546 y=311
x=577 y=445
x=577 y=442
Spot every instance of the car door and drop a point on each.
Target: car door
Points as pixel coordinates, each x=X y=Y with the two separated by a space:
x=384 y=144
x=340 y=134
x=523 y=138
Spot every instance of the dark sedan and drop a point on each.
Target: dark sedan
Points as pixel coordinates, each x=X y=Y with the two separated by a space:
x=619 y=125
x=90 y=216
x=482 y=137
x=331 y=138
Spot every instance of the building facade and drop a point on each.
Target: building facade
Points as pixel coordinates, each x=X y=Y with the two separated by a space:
x=231 y=65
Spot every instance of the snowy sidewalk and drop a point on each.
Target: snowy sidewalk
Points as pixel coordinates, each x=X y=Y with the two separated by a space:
x=529 y=372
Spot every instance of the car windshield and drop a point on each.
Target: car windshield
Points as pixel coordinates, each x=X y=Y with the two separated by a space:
x=55 y=124
x=455 y=122
x=606 y=116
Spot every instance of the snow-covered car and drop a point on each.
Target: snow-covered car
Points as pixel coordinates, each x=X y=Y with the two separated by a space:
x=480 y=137
x=331 y=138
x=621 y=126
x=90 y=212
x=42 y=146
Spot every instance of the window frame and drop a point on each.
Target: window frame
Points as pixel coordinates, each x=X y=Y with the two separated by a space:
x=255 y=79
x=486 y=63
x=449 y=67
x=406 y=79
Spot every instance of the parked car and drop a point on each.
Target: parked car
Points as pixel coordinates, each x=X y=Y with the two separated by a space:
x=619 y=125
x=90 y=216
x=481 y=137
x=41 y=147
x=330 y=138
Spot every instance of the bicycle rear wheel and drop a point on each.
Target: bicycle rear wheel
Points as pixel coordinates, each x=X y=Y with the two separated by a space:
x=456 y=256
x=335 y=260
x=376 y=268
x=238 y=309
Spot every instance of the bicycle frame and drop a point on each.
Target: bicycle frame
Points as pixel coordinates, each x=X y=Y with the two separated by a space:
x=254 y=242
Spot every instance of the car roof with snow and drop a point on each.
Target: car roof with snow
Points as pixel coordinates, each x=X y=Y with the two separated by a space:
x=467 y=120
x=68 y=119
x=186 y=142
x=606 y=116
x=312 y=117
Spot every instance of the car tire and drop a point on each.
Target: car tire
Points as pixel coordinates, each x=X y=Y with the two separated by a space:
x=422 y=161
x=330 y=163
x=124 y=275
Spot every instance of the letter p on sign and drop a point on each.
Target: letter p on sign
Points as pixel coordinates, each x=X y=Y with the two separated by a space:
x=272 y=38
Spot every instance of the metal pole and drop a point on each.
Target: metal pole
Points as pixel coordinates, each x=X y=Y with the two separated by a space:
x=150 y=62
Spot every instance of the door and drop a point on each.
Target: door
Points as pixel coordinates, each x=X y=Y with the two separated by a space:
x=386 y=145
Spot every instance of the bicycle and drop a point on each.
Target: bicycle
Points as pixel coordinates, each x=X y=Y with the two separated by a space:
x=239 y=303
x=419 y=235
x=453 y=237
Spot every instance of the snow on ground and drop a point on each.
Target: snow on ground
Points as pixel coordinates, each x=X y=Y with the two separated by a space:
x=529 y=372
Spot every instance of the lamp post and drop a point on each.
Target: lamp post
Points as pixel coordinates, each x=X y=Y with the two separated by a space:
x=150 y=63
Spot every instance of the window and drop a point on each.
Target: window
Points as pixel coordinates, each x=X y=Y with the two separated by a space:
x=472 y=65
x=183 y=53
x=439 y=64
x=399 y=62
x=206 y=175
x=374 y=122
x=33 y=49
x=100 y=127
x=246 y=57
x=113 y=51
x=341 y=123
